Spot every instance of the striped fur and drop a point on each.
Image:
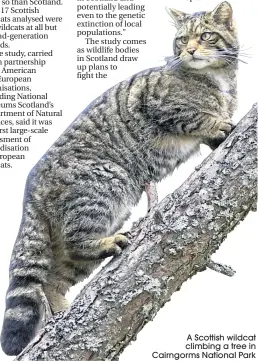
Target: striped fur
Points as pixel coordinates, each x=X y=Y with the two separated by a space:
x=82 y=190
x=29 y=268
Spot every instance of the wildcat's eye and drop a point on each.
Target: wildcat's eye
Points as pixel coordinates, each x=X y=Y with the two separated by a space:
x=184 y=39
x=206 y=36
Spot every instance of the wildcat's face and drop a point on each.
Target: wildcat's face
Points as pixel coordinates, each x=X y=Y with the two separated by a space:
x=205 y=39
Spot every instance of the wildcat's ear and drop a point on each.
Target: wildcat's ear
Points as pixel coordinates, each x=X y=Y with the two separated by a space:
x=223 y=14
x=177 y=16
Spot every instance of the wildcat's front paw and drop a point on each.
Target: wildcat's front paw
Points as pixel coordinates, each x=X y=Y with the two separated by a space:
x=112 y=246
x=222 y=129
x=219 y=133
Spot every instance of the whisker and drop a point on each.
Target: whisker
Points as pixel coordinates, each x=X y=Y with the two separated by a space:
x=231 y=57
x=237 y=53
x=174 y=65
x=241 y=48
x=232 y=54
x=225 y=56
x=250 y=48
x=173 y=62
x=245 y=55
x=171 y=58
x=173 y=23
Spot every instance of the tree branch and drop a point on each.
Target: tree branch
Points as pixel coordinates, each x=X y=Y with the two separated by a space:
x=171 y=244
x=221 y=268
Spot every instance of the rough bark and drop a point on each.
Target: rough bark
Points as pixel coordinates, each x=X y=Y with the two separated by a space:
x=172 y=243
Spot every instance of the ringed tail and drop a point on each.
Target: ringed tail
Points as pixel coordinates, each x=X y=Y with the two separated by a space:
x=29 y=267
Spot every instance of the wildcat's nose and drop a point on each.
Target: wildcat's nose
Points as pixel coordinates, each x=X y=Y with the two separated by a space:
x=191 y=50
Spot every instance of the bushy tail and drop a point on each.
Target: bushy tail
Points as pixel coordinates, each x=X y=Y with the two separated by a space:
x=29 y=268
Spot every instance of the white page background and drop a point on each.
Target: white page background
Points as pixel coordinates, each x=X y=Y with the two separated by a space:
x=210 y=302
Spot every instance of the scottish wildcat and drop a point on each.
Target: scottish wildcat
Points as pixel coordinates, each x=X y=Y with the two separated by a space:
x=81 y=191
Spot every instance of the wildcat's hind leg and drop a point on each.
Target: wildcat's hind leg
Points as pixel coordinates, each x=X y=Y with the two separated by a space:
x=63 y=277
x=88 y=229
x=56 y=294
x=47 y=313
